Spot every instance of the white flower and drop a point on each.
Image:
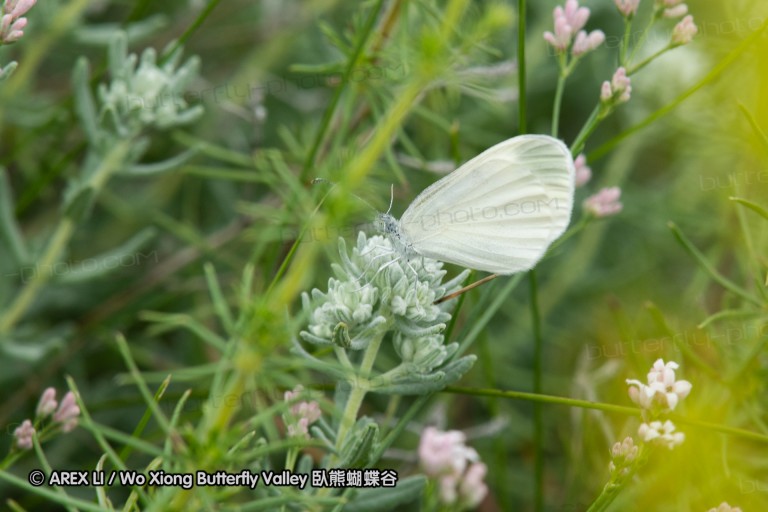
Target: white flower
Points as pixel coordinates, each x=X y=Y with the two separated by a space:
x=661 y=433
x=725 y=507
x=663 y=391
x=622 y=455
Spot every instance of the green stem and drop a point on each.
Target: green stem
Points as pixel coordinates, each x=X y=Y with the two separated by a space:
x=625 y=41
x=562 y=77
x=645 y=62
x=643 y=36
x=538 y=418
x=521 y=69
x=58 y=243
x=594 y=119
x=359 y=390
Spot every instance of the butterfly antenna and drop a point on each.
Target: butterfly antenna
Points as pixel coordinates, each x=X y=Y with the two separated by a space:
x=329 y=182
x=391 y=197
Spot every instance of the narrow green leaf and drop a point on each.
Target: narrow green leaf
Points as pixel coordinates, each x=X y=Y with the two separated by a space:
x=755 y=127
x=85 y=105
x=157 y=168
x=752 y=206
x=101 y=34
x=126 y=255
x=717 y=276
x=10 y=233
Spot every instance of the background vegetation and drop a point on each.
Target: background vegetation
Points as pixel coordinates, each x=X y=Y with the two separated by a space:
x=189 y=259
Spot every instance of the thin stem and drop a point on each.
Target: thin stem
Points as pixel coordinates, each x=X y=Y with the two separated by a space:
x=594 y=119
x=521 y=69
x=643 y=36
x=538 y=418
x=648 y=60
x=625 y=41
x=562 y=77
x=359 y=390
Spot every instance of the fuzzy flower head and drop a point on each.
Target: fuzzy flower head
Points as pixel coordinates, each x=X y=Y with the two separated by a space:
x=684 y=31
x=583 y=171
x=68 y=412
x=144 y=93
x=670 y=8
x=622 y=456
x=23 y=435
x=12 y=21
x=568 y=22
x=301 y=414
x=663 y=391
x=627 y=8
x=605 y=203
x=445 y=457
x=587 y=42
x=47 y=403
x=379 y=286
x=724 y=507
x=661 y=433
x=618 y=90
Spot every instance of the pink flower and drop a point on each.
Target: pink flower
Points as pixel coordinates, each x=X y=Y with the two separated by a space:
x=575 y=16
x=47 y=403
x=67 y=413
x=442 y=453
x=605 y=203
x=618 y=90
x=586 y=43
x=583 y=172
x=627 y=8
x=24 y=434
x=18 y=8
x=684 y=31
x=456 y=467
x=568 y=21
x=472 y=488
x=11 y=22
x=301 y=414
x=676 y=11
x=561 y=39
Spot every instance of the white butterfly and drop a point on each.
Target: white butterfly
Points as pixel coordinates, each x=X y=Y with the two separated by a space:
x=498 y=212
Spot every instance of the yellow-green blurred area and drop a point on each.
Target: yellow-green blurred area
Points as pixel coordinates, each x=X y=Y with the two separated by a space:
x=679 y=274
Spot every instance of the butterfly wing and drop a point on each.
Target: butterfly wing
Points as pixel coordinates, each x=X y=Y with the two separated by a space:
x=498 y=212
